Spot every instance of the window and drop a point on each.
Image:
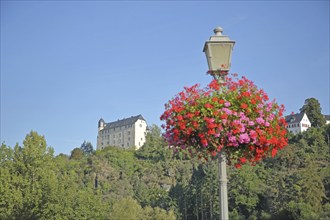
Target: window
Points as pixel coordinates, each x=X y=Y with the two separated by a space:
x=305 y=125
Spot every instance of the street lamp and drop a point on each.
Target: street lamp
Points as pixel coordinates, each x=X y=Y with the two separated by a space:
x=218 y=54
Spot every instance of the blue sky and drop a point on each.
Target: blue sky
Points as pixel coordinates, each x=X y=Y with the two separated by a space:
x=64 y=65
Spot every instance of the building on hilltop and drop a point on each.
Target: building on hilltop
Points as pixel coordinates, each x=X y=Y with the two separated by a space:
x=297 y=123
x=124 y=133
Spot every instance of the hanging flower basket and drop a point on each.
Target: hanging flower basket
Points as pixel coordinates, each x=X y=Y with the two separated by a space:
x=234 y=116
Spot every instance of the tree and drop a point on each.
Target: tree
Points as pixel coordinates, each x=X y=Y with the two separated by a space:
x=312 y=108
x=87 y=148
x=77 y=154
x=9 y=195
x=32 y=180
x=298 y=179
x=246 y=189
x=158 y=214
x=155 y=147
x=126 y=208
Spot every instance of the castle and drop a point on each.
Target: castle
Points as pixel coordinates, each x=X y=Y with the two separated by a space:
x=123 y=133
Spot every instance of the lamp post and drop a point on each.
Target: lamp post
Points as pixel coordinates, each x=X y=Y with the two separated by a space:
x=218 y=54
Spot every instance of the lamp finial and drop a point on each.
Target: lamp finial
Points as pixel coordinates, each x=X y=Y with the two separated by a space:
x=218 y=31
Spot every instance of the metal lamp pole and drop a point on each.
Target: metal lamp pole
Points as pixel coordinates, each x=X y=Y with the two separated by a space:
x=222 y=171
x=218 y=54
x=223 y=193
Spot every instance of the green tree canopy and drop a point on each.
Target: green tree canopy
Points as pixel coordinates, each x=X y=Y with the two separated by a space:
x=154 y=147
x=77 y=154
x=87 y=148
x=36 y=185
x=113 y=183
x=313 y=110
x=126 y=208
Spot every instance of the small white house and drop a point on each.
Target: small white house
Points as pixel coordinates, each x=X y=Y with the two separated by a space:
x=124 y=133
x=297 y=123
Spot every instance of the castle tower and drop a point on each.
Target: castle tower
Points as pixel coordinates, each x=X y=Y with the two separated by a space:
x=101 y=124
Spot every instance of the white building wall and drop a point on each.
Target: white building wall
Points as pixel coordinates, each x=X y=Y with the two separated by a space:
x=140 y=127
x=304 y=123
x=120 y=136
x=293 y=128
x=123 y=136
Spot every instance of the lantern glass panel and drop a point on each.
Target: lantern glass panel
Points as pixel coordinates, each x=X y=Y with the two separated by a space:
x=219 y=55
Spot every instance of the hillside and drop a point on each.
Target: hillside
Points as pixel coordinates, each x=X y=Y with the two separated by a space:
x=150 y=183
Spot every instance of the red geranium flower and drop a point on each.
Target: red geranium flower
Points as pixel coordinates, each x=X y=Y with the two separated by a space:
x=244 y=106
